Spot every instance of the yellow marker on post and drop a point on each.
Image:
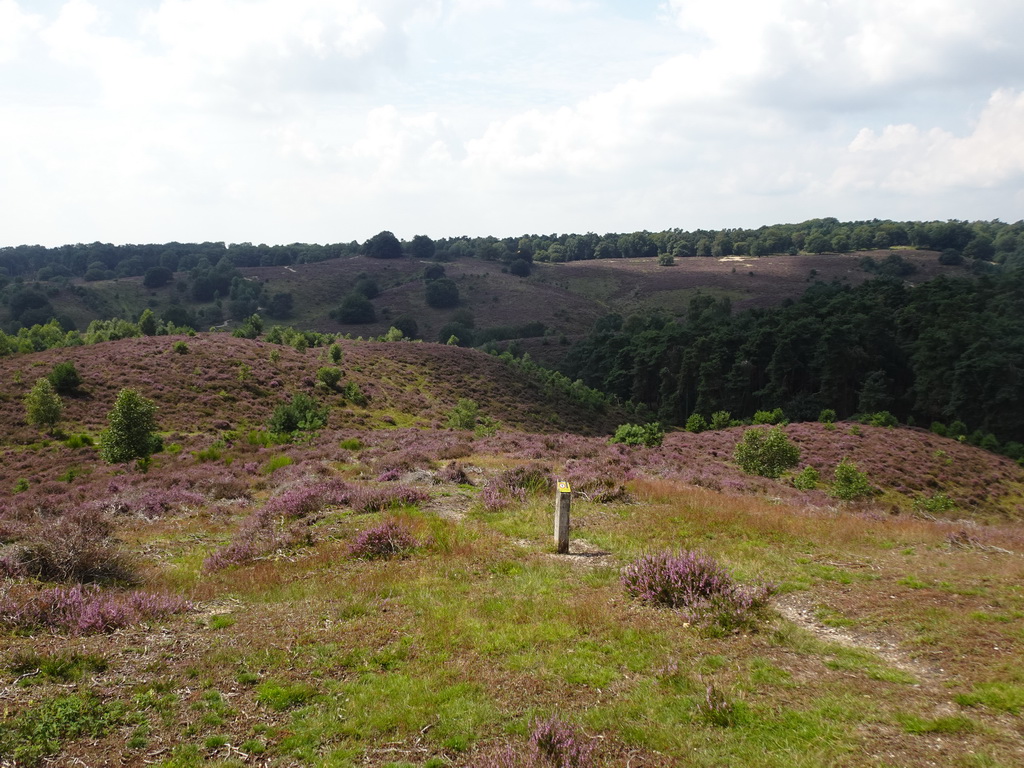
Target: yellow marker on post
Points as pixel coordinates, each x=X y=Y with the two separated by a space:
x=563 y=498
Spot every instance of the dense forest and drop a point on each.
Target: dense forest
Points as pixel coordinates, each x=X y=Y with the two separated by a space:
x=950 y=349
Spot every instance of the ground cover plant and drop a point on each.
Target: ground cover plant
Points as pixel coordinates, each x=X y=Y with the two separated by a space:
x=362 y=620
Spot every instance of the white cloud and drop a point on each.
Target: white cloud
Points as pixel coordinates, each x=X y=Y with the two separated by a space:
x=15 y=28
x=907 y=159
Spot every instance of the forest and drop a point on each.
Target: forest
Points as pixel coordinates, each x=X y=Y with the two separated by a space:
x=947 y=350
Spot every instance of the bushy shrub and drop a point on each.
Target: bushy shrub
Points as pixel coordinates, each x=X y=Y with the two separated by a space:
x=329 y=376
x=335 y=354
x=65 y=377
x=696 y=423
x=769 y=417
x=882 y=419
x=827 y=416
x=353 y=394
x=463 y=415
x=850 y=483
x=934 y=505
x=939 y=428
x=132 y=430
x=697 y=584
x=721 y=420
x=650 y=435
x=179 y=348
x=78 y=546
x=43 y=405
x=301 y=413
x=390 y=538
x=807 y=479
x=766 y=452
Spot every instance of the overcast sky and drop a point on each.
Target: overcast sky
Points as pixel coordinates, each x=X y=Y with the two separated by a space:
x=285 y=121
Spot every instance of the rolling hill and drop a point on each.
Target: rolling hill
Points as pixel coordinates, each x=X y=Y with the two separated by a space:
x=231 y=616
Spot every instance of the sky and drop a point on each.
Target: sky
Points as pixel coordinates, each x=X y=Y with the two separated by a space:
x=280 y=121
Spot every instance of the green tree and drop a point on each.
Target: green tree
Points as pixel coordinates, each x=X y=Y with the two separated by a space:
x=422 y=248
x=442 y=293
x=355 y=309
x=132 y=430
x=157 y=277
x=43 y=405
x=383 y=245
x=147 y=322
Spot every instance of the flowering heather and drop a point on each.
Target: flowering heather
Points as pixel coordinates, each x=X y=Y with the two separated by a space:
x=87 y=609
x=556 y=743
x=513 y=485
x=386 y=539
x=697 y=584
x=371 y=499
x=301 y=501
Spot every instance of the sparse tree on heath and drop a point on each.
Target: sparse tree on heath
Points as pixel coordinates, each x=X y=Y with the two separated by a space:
x=132 y=430
x=43 y=405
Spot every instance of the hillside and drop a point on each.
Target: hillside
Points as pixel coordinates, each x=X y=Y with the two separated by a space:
x=565 y=298
x=892 y=636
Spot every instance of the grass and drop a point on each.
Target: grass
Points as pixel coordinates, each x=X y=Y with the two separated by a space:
x=447 y=655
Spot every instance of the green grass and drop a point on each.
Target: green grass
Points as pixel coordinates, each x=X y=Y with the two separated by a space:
x=43 y=729
x=1005 y=697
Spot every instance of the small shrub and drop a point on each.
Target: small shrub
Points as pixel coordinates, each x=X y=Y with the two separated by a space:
x=65 y=378
x=827 y=416
x=335 y=354
x=179 y=348
x=650 y=435
x=882 y=419
x=766 y=452
x=721 y=420
x=20 y=485
x=850 y=483
x=302 y=413
x=697 y=584
x=370 y=499
x=329 y=377
x=769 y=417
x=807 y=479
x=78 y=546
x=938 y=428
x=934 y=505
x=463 y=415
x=696 y=423
x=43 y=405
x=388 y=539
x=353 y=394
x=557 y=744
x=80 y=440
x=351 y=444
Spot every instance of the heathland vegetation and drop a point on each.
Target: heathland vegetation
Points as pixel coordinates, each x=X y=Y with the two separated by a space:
x=280 y=545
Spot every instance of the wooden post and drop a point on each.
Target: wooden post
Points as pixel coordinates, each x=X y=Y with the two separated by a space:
x=563 y=498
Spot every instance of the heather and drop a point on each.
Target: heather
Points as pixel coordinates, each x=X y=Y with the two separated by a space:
x=82 y=610
x=696 y=584
x=384 y=589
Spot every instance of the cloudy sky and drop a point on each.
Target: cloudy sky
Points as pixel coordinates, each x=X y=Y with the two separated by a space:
x=284 y=121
